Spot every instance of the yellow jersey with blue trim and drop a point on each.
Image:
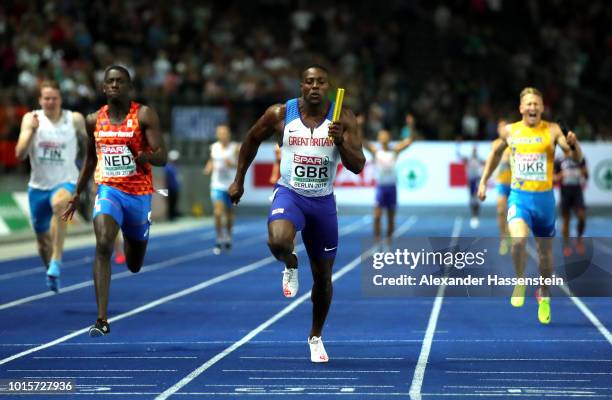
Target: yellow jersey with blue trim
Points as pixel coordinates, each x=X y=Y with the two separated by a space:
x=532 y=157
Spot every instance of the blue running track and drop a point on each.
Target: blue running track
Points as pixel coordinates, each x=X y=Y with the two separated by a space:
x=195 y=325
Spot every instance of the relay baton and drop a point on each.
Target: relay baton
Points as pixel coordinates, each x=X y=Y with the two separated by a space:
x=338 y=104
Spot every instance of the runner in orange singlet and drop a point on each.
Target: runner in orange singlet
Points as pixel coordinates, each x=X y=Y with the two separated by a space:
x=124 y=141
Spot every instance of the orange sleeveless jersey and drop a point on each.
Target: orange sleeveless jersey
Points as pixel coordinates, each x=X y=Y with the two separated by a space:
x=116 y=146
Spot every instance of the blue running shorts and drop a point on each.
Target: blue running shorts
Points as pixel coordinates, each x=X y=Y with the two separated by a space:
x=315 y=217
x=131 y=212
x=386 y=196
x=220 y=195
x=503 y=190
x=40 y=205
x=537 y=209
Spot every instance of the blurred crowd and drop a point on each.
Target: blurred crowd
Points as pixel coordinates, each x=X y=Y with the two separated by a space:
x=455 y=66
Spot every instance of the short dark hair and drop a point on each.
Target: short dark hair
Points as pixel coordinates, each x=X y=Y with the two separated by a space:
x=317 y=66
x=119 y=68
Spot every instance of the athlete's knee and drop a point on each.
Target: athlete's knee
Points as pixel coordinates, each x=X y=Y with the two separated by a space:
x=280 y=245
x=322 y=286
x=323 y=279
x=218 y=213
x=59 y=207
x=44 y=246
x=104 y=246
x=218 y=208
x=519 y=243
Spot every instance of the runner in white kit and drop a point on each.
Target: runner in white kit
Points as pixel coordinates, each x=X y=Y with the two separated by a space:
x=311 y=146
x=473 y=169
x=49 y=138
x=222 y=167
x=385 y=160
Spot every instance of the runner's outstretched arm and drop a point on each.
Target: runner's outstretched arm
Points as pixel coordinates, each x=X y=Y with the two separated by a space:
x=265 y=127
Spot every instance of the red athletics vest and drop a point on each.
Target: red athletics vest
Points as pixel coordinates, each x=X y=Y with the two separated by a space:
x=116 y=146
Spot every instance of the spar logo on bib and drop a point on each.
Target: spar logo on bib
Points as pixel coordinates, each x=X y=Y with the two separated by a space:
x=530 y=166
x=310 y=160
x=117 y=161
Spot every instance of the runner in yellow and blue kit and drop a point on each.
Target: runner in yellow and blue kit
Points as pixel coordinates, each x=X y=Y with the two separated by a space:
x=531 y=204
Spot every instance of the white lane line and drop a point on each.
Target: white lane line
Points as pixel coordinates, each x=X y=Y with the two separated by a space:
x=179 y=240
x=533 y=380
x=335 y=358
x=283 y=394
x=371 y=394
x=116 y=385
x=358 y=341
x=588 y=313
x=115 y=358
x=85 y=260
x=526 y=387
x=419 y=370
x=40 y=269
x=258 y=378
x=280 y=394
x=315 y=386
x=578 y=303
x=89 y=392
x=293 y=305
x=318 y=371
x=547 y=393
x=530 y=372
x=125 y=274
x=202 y=285
x=78 y=377
x=138 y=310
x=505 y=394
x=27 y=248
x=209 y=232
x=157 y=243
x=91 y=370
x=156 y=266
x=528 y=359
